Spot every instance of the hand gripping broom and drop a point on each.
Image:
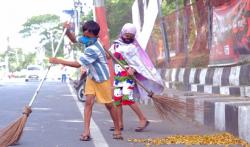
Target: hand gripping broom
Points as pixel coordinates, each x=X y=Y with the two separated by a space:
x=166 y=107
x=12 y=133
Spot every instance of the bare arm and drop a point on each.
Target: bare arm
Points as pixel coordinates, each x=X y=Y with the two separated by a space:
x=107 y=55
x=65 y=62
x=106 y=52
x=69 y=34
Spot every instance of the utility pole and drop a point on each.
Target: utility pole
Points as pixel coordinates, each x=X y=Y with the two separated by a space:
x=100 y=17
x=6 y=60
x=77 y=14
x=6 y=56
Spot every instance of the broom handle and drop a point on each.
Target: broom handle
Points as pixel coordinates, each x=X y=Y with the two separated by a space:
x=41 y=83
x=150 y=93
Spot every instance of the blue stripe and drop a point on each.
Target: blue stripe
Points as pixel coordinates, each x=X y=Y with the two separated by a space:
x=84 y=61
x=102 y=50
x=89 y=56
x=99 y=70
x=105 y=67
x=91 y=53
x=106 y=71
x=95 y=58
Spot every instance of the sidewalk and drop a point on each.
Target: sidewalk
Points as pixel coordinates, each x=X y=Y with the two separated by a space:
x=222 y=113
x=223 y=91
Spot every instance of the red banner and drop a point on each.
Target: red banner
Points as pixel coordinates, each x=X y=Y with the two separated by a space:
x=231 y=33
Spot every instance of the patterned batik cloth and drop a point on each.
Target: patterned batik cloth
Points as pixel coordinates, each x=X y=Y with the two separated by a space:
x=123 y=83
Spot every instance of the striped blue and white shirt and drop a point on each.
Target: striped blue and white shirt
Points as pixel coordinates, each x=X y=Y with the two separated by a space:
x=94 y=59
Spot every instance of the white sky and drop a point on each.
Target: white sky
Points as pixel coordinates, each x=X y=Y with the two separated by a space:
x=14 y=13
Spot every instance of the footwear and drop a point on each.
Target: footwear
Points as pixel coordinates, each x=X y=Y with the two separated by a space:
x=139 y=129
x=113 y=128
x=117 y=136
x=85 y=138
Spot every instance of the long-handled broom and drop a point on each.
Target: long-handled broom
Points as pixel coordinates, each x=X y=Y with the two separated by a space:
x=167 y=107
x=12 y=133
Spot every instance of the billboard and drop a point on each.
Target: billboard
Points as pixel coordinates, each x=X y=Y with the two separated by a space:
x=231 y=34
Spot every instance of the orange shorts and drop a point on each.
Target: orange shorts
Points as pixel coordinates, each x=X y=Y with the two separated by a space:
x=102 y=91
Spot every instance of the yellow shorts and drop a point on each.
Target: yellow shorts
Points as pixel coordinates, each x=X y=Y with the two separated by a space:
x=102 y=91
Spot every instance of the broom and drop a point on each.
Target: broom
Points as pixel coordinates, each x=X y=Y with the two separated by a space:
x=166 y=107
x=12 y=133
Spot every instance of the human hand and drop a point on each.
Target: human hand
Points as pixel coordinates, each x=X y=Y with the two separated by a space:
x=66 y=25
x=54 y=60
x=131 y=71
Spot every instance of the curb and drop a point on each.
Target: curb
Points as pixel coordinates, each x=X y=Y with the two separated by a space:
x=224 y=80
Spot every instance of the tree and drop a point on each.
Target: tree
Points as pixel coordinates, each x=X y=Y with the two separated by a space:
x=17 y=60
x=201 y=40
x=48 y=28
x=89 y=16
x=119 y=12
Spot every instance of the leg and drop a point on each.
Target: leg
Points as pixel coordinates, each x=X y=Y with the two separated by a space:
x=143 y=122
x=87 y=114
x=128 y=93
x=113 y=113
x=117 y=102
x=138 y=112
x=120 y=116
x=62 y=78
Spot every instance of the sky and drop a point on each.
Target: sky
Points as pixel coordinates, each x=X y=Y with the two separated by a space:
x=14 y=13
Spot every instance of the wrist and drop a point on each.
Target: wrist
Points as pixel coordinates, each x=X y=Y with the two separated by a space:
x=133 y=69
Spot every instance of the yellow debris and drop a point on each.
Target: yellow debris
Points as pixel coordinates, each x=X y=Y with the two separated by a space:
x=216 y=139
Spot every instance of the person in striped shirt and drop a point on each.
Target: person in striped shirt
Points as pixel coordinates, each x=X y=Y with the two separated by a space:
x=98 y=85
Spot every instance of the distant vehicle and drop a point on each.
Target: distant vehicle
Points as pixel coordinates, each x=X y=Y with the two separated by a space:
x=79 y=86
x=34 y=72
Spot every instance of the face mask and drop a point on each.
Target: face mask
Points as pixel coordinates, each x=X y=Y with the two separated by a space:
x=87 y=41
x=128 y=40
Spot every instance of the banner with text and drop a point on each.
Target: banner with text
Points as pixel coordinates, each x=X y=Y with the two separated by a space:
x=231 y=34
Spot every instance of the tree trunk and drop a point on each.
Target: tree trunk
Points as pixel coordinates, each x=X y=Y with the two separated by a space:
x=185 y=32
x=202 y=28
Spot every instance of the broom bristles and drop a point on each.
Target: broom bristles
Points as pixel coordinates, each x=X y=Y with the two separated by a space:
x=170 y=107
x=12 y=133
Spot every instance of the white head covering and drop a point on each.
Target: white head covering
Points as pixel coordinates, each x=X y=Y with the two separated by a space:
x=128 y=28
x=143 y=65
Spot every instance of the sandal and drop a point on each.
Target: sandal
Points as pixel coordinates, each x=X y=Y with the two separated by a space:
x=113 y=128
x=140 y=129
x=85 y=138
x=117 y=136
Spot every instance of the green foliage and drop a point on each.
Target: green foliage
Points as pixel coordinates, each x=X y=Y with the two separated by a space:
x=29 y=59
x=199 y=61
x=39 y=23
x=47 y=27
x=119 y=12
x=169 y=6
x=87 y=17
x=17 y=60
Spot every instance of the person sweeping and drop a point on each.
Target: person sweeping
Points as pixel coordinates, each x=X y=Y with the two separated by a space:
x=98 y=85
x=129 y=53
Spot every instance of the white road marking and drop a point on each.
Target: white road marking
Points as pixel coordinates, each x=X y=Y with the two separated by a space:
x=99 y=140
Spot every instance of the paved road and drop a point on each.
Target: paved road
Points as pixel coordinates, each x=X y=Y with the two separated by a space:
x=56 y=120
